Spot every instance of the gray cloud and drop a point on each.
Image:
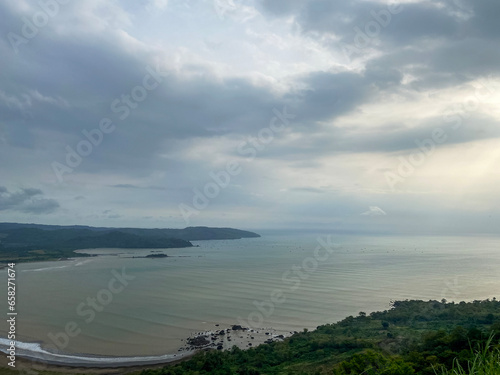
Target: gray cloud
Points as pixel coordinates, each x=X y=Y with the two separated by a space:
x=220 y=90
x=183 y=108
x=450 y=40
x=27 y=200
x=410 y=21
x=131 y=186
x=307 y=190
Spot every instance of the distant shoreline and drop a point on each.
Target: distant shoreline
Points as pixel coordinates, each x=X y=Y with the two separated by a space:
x=21 y=243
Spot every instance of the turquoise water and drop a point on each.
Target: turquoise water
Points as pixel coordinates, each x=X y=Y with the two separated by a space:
x=224 y=282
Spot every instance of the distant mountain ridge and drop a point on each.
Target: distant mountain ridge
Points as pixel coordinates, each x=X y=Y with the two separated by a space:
x=30 y=242
x=188 y=234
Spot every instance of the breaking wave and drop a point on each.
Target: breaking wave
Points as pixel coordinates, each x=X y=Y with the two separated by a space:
x=35 y=351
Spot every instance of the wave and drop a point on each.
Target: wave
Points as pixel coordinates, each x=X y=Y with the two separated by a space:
x=78 y=264
x=34 y=351
x=45 y=268
x=83 y=262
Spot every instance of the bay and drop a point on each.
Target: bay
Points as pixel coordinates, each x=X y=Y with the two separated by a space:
x=230 y=282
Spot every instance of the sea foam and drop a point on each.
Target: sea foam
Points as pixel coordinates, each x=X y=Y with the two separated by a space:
x=34 y=350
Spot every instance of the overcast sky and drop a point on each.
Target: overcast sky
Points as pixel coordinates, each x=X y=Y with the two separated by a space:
x=342 y=115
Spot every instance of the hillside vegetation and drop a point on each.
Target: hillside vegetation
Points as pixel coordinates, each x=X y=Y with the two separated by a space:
x=413 y=337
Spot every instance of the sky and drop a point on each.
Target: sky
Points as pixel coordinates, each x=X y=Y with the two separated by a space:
x=361 y=116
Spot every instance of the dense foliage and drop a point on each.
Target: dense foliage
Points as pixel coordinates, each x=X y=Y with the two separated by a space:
x=413 y=337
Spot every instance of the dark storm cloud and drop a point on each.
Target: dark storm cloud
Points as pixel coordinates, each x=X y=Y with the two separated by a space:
x=27 y=200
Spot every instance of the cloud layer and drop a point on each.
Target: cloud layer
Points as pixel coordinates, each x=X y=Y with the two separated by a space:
x=132 y=108
x=27 y=200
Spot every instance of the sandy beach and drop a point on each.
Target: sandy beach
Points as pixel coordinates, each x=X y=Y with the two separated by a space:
x=222 y=337
x=32 y=367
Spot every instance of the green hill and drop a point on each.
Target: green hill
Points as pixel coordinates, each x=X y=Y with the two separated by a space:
x=413 y=337
x=187 y=234
x=34 y=242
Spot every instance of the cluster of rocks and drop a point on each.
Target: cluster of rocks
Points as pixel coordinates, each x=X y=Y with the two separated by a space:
x=221 y=338
x=197 y=342
x=204 y=341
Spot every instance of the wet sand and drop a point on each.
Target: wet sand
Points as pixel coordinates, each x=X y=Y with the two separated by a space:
x=24 y=365
x=222 y=337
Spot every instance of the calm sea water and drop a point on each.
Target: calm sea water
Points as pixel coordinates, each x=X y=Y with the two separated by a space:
x=272 y=280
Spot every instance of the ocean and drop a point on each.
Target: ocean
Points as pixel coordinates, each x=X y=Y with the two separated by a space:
x=118 y=304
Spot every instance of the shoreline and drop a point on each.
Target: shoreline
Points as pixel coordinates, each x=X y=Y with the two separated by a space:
x=27 y=364
x=80 y=254
x=85 y=255
x=222 y=337
x=35 y=361
x=93 y=361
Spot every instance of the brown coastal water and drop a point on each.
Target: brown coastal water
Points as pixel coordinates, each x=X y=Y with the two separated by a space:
x=166 y=300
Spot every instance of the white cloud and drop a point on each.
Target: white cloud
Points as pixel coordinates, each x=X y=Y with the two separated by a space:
x=156 y=5
x=374 y=211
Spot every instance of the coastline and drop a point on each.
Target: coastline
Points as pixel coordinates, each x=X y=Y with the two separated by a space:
x=366 y=337
x=222 y=337
x=26 y=364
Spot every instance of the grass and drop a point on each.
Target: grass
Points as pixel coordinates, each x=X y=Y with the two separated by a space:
x=485 y=361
